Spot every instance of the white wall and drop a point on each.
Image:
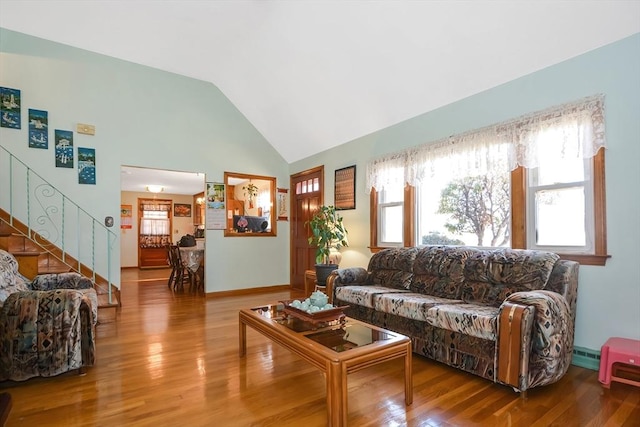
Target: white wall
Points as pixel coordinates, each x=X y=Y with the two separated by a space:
x=608 y=297
x=147 y=118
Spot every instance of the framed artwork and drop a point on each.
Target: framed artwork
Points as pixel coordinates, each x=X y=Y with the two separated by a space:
x=64 y=148
x=181 y=209
x=10 y=108
x=86 y=165
x=38 y=129
x=345 y=188
x=126 y=216
x=283 y=204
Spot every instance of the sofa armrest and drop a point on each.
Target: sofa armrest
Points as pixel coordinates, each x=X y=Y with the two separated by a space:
x=345 y=276
x=63 y=299
x=551 y=336
x=515 y=322
x=45 y=325
x=71 y=280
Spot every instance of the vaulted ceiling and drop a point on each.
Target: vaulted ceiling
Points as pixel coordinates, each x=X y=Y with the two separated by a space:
x=311 y=75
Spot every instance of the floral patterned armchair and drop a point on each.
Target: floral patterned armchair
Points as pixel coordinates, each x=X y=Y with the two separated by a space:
x=47 y=326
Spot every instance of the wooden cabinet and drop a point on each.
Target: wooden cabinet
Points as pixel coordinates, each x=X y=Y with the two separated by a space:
x=154 y=257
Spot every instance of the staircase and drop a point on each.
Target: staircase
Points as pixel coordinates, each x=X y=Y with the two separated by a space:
x=49 y=233
x=29 y=250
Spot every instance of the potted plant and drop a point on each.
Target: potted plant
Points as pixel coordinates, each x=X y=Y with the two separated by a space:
x=250 y=191
x=327 y=234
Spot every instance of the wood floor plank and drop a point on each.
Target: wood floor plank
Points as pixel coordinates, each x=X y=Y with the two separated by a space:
x=171 y=359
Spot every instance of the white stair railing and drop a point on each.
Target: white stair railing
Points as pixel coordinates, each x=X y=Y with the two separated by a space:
x=58 y=222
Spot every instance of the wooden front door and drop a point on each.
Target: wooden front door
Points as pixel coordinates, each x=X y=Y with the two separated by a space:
x=307 y=189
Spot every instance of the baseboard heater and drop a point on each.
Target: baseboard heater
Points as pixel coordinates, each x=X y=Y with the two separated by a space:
x=586 y=358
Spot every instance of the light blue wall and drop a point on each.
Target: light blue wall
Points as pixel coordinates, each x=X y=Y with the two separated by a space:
x=143 y=117
x=608 y=297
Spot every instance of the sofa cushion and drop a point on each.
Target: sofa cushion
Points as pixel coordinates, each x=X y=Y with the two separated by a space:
x=362 y=295
x=410 y=305
x=470 y=319
x=491 y=276
x=69 y=280
x=392 y=267
x=438 y=270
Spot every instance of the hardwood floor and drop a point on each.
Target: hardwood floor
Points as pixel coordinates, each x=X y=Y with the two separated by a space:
x=171 y=359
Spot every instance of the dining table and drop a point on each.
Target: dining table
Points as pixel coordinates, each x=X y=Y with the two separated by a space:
x=192 y=258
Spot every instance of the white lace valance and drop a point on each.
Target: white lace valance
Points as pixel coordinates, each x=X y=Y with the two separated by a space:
x=574 y=130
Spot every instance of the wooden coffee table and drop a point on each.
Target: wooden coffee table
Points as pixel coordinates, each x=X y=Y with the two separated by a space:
x=336 y=349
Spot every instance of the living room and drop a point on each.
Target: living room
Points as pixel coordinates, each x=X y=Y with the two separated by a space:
x=138 y=124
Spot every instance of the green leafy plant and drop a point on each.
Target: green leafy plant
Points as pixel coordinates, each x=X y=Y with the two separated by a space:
x=327 y=232
x=251 y=191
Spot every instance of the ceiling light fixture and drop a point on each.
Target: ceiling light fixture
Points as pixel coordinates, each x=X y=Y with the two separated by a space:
x=155 y=188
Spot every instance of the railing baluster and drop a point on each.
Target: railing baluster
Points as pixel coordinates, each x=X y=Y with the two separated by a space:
x=109 y=265
x=93 y=249
x=11 y=190
x=29 y=201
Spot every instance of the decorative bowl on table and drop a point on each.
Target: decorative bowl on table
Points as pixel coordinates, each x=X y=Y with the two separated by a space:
x=319 y=299
x=314 y=309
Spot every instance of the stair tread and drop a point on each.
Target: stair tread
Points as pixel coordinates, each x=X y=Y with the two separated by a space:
x=25 y=253
x=103 y=300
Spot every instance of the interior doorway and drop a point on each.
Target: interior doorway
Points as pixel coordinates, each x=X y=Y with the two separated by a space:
x=307 y=189
x=180 y=188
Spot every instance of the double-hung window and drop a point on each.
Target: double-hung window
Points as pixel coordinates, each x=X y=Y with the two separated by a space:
x=535 y=182
x=560 y=204
x=391 y=216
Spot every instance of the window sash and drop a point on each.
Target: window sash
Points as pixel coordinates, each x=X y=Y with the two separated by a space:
x=588 y=221
x=384 y=211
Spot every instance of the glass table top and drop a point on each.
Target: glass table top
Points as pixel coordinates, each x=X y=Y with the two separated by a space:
x=334 y=335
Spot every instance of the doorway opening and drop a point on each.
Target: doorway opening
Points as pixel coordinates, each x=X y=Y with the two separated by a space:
x=145 y=236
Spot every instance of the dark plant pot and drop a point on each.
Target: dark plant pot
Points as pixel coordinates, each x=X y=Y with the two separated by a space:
x=323 y=271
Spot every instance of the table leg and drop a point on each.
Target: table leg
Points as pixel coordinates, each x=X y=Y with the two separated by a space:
x=201 y=278
x=243 y=338
x=337 y=394
x=408 y=376
x=192 y=279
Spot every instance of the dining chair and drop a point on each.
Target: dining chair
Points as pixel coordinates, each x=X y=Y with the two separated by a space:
x=179 y=273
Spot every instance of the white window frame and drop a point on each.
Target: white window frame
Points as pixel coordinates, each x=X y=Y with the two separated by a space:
x=381 y=222
x=589 y=226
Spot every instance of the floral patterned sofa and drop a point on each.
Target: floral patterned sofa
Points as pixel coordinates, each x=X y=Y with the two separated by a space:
x=506 y=315
x=47 y=326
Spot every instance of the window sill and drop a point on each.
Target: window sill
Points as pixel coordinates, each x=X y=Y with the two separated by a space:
x=599 y=260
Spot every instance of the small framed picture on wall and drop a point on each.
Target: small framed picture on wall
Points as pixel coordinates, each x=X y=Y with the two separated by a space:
x=345 y=188
x=181 y=209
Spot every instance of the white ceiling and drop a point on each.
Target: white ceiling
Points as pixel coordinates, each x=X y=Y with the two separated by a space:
x=173 y=182
x=311 y=75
